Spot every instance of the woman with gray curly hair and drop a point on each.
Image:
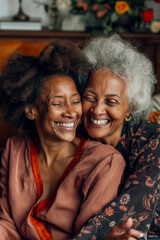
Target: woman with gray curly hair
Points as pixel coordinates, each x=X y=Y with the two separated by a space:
x=116 y=102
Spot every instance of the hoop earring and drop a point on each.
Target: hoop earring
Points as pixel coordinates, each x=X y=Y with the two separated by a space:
x=128 y=118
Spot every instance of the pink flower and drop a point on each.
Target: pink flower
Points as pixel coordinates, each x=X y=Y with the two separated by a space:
x=101 y=13
x=83 y=5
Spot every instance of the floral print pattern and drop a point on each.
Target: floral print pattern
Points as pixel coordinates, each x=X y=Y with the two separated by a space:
x=139 y=196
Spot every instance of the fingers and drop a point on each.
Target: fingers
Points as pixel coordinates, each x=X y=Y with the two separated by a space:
x=134 y=233
x=123 y=227
x=123 y=231
x=126 y=225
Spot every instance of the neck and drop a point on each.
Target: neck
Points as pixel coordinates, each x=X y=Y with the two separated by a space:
x=113 y=139
x=50 y=151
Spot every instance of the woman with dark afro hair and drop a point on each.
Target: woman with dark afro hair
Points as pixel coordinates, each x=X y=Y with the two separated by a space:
x=50 y=184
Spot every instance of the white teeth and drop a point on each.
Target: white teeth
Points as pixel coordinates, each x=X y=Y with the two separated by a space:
x=65 y=124
x=99 y=122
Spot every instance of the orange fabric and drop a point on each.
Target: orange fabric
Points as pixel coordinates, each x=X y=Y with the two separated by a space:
x=154 y=117
x=40 y=226
x=36 y=171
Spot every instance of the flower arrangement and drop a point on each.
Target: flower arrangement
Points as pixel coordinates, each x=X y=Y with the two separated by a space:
x=154 y=24
x=56 y=8
x=55 y=5
x=110 y=12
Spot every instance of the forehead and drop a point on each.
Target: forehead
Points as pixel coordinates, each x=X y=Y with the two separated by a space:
x=58 y=81
x=58 y=85
x=106 y=81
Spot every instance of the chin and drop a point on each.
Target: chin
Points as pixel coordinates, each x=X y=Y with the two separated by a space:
x=68 y=139
x=95 y=135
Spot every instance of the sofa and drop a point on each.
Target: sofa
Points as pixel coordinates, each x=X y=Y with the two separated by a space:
x=34 y=48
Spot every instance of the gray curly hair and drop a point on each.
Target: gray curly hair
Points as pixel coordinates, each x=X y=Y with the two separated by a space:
x=123 y=59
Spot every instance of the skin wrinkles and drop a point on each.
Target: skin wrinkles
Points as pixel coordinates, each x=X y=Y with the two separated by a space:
x=105 y=106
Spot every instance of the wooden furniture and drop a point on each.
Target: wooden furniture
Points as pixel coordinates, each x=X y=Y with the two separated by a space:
x=44 y=35
x=147 y=42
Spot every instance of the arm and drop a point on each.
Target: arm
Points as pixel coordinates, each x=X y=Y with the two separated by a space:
x=100 y=187
x=138 y=197
x=7 y=227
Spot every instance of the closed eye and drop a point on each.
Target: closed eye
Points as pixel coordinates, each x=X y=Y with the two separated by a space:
x=76 y=102
x=90 y=98
x=61 y=104
x=111 y=101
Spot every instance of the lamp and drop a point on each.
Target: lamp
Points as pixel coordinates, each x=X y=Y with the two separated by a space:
x=20 y=16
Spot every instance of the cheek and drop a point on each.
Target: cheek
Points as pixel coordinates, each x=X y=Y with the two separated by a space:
x=78 y=110
x=117 y=115
x=86 y=106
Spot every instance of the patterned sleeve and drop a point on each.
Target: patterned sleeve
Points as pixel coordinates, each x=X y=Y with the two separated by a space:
x=138 y=198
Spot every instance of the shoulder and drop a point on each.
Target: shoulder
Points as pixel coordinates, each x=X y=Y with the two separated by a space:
x=17 y=143
x=99 y=148
x=146 y=129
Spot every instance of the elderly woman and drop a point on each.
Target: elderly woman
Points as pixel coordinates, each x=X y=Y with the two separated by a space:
x=50 y=186
x=116 y=102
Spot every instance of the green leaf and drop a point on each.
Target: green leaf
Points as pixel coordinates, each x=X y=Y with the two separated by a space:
x=130 y=12
x=99 y=1
x=101 y=7
x=89 y=19
x=114 y=17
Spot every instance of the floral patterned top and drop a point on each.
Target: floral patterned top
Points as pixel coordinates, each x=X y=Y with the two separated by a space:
x=140 y=193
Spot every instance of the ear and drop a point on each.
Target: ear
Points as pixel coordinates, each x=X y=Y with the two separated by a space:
x=30 y=111
x=128 y=112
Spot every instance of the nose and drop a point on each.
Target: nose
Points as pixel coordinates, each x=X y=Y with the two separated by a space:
x=69 y=112
x=98 y=109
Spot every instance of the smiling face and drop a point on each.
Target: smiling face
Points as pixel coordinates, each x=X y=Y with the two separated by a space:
x=105 y=105
x=58 y=110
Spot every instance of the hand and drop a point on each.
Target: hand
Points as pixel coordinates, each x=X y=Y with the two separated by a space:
x=123 y=231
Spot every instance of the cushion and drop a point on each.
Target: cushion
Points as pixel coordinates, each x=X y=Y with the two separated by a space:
x=156 y=103
x=8 y=47
x=155 y=117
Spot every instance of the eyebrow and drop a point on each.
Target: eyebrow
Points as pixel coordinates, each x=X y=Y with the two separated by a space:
x=61 y=96
x=107 y=95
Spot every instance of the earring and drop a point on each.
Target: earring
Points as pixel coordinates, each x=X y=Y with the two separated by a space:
x=128 y=118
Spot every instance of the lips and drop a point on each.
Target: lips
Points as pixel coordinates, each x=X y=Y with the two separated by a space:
x=99 y=121
x=67 y=125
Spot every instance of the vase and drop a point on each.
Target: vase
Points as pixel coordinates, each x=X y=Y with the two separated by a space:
x=73 y=23
x=55 y=20
x=125 y=23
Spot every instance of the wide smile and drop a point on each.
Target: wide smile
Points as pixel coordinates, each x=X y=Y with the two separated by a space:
x=70 y=125
x=67 y=126
x=98 y=122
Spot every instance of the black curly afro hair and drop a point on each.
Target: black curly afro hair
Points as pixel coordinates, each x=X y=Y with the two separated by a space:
x=23 y=77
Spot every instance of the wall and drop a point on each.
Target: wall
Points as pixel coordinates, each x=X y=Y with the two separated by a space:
x=10 y=8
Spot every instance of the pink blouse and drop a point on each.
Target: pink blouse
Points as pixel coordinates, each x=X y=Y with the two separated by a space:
x=90 y=181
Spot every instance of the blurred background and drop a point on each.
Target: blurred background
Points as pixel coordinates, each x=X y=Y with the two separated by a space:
x=131 y=15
